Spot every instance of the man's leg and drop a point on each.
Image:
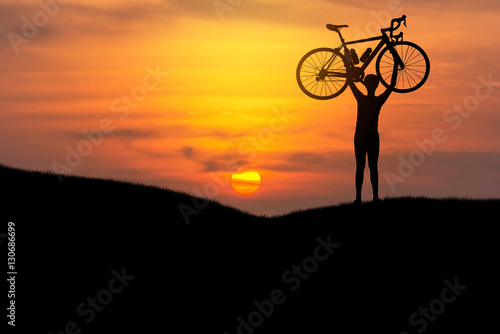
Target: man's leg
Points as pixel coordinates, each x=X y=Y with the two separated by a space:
x=373 y=153
x=360 y=153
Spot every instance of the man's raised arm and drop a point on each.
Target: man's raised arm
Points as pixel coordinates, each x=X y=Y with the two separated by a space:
x=357 y=93
x=394 y=80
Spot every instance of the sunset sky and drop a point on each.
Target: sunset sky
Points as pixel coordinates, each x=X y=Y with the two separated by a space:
x=179 y=93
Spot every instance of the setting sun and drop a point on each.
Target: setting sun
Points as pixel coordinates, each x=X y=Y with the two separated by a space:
x=246 y=183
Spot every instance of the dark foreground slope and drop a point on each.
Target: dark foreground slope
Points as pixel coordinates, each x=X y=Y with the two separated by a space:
x=97 y=256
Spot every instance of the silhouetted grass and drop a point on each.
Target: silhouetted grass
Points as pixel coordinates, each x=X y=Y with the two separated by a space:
x=393 y=258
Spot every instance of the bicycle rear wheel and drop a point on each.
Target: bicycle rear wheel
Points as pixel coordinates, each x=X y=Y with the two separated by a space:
x=415 y=73
x=313 y=77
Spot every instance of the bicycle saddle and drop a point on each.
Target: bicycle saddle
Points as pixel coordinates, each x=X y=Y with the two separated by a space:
x=336 y=28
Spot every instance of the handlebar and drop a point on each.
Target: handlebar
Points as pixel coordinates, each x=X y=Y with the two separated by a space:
x=392 y=28
x=398 y=21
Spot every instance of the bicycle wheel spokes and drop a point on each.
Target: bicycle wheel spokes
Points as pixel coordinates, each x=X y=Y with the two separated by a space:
x=415 y=71
x=321 y=74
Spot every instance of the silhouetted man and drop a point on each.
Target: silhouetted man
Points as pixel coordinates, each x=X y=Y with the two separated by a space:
x=366 y=138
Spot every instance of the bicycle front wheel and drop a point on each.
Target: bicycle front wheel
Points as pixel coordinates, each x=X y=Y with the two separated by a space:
x=415 y=73
x=321 y=74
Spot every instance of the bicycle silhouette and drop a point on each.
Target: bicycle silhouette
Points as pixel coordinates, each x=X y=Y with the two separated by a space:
x=322 y=73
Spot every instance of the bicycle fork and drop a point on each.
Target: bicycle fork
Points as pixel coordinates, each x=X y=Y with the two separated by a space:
x=396 y=57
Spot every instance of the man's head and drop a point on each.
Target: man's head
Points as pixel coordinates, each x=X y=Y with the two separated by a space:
x=371 y=83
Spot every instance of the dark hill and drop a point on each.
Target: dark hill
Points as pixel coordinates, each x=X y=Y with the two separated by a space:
x=103 y=256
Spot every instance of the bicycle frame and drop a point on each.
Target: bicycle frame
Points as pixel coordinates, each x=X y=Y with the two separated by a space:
x=384 y=40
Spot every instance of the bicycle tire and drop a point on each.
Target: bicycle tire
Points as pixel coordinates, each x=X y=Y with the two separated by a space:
x=415 y=73
x=309 y=78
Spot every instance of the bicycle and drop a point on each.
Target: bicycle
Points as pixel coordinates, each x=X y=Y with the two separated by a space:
x=322 y=73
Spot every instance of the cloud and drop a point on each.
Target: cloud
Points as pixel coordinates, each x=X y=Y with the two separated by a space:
x=228 y=162
x=226 y=135
x=129 y=133
x=133 y=133
x=216 y=133
x=472 y=174
x=70 y=20
x=188 y=152
x=14 y=18
x=440 y=174
x=259 y=11
x=335 y=135
x=326 y=162
x=225 y=165
x=448 y=5
x=211 y=166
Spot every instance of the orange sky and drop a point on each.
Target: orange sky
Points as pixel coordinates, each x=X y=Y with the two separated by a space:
x=176 y=94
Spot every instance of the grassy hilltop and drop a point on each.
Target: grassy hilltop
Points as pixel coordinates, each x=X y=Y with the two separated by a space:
x=105 y=256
